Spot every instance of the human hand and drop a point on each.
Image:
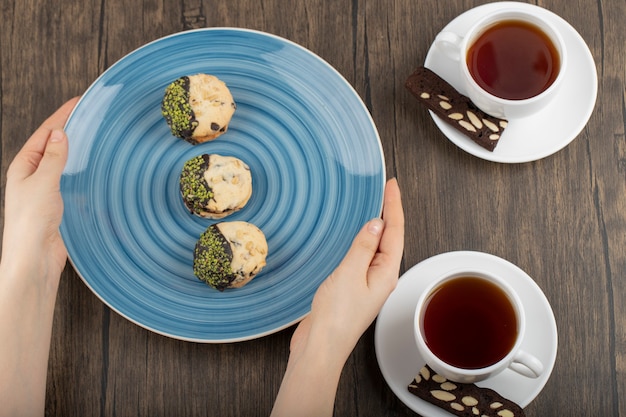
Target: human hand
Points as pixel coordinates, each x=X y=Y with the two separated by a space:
x=33 y=257
x=33 y=203
x=343 y=307
x=349 y=300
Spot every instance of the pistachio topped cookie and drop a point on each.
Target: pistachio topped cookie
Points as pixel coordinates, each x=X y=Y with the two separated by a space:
x=229 y=254
x=198 y=108
x=214 y=186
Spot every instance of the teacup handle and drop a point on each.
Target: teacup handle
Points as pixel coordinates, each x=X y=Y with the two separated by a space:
x=450 y=44
x=526 y=364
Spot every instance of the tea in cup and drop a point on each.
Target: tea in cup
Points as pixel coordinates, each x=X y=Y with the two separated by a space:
x=469 y=326
x=511 y=62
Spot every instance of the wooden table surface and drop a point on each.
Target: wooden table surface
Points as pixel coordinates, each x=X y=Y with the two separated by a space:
x=562 y=218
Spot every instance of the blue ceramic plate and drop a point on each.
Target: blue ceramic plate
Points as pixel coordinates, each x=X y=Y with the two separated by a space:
x=317 y=170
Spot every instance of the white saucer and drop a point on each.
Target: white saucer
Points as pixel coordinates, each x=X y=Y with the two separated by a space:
x=542 y=134
x=397 y=353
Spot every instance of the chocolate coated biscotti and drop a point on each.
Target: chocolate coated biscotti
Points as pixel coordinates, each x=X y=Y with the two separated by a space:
x=455 y=109
x=463 y=400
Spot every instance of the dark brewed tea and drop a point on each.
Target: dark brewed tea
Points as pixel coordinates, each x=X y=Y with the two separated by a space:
x=469 y=323
x=514 y=60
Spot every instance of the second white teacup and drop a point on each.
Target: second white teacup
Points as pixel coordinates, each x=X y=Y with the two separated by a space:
x=511 y=62
x=469 y=326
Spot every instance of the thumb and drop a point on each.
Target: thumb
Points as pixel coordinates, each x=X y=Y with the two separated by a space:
x=363 y=249
x=54 y=157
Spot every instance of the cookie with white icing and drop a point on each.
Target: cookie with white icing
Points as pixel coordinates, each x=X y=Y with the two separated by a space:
x=198 y=108
x=229 y=254
x=214 y=186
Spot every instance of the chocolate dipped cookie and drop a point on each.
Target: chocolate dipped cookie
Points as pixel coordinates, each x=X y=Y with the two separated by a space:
x=214 y=186
x=229 y=254
x=198 y=108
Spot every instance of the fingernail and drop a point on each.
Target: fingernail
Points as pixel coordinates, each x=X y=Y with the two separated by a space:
x=56 y=136
x=375 y=226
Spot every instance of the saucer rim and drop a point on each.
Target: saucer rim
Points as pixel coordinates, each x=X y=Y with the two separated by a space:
x=472 y=148
x=437 y=265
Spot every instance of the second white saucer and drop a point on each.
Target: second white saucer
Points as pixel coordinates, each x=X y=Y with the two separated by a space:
x=396 y=350
x=542 y=134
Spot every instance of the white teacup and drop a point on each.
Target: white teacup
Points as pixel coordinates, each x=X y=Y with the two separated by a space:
x=494 y=98
x=485 y=313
